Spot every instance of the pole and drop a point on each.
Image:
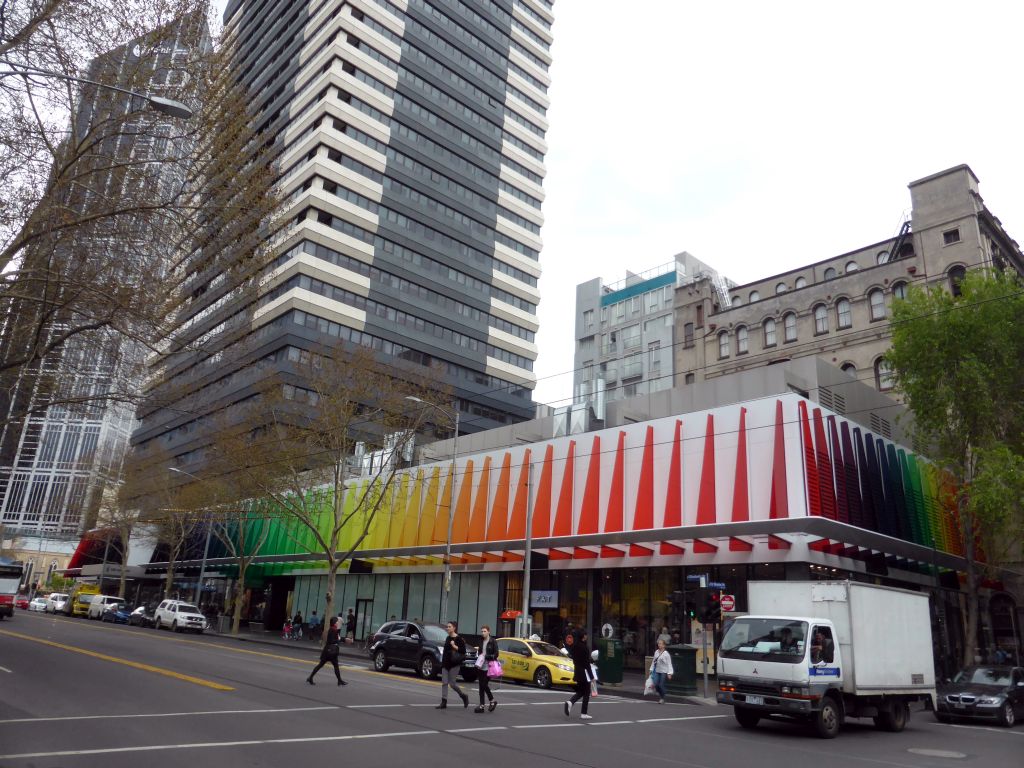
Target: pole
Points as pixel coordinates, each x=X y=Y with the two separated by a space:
x=447 y=585
x=527 y=623
x=704 y=644
x=103 y=570
x=202 y=568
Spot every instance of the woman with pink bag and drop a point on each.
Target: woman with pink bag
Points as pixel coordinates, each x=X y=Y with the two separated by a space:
x=490 y=667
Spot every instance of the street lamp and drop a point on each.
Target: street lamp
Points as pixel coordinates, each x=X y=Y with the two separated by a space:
x=156 y=103
x=454 y=413
x=206 y=548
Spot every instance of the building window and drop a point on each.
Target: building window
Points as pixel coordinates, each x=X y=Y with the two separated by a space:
x=631 y=336
x=604 y=316
x=830 y=274
x=736 y=301
x=688 y=335
x=951 y=236
x=801 y=282
x=899 y=290
x=689 y=379
x=755 y=296
x=820 y=319
x=882 y=257
x=723 y=344
x=588 y=318
x=781 y=288
x=769 y=332
x=844 y=317
x=877 y=300
x=883 y=375
x=789 y=326
x=654 y=357
x=700 y=315
x=634 y=305
x=620 y=311
x=851 y=266
x=849 y=368
x=741 y=340
x=956 y=276
x=588 y=370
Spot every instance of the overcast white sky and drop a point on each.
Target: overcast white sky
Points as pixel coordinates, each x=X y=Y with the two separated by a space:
x=760 y=136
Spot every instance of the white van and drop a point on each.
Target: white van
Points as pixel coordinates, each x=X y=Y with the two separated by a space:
x=100 y=603
x=179 y=616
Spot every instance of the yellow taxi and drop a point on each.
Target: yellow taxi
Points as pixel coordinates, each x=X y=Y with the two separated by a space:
x=534 y=660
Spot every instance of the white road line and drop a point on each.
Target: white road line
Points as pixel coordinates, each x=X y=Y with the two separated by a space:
x=166 y=714
x=212 y=744
x=372 y=706
x=677 y=719
x=5 y=669
x=474 y=730
x=1006 y=731
x=541 y=725
x=614 y=722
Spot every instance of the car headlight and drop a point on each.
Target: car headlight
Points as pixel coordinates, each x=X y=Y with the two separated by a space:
x=796 y=690
x=990 y=701
x=564 y=667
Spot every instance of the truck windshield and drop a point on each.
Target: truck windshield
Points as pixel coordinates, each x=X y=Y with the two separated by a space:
x=780 y=640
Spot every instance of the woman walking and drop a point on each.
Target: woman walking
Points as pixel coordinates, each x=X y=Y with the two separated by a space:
x=452 y=656
x=489 y=650
x=661 y=670
x=580 y=653
x=330 y=653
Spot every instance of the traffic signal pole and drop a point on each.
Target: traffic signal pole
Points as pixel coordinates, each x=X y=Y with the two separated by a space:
x=704 y=651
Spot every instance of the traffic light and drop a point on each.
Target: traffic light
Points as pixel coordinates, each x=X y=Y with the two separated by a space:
x=711 y=607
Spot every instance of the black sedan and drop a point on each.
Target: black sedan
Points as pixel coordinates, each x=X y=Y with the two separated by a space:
x=143 y=616
x=416 y=645
x=983 y=693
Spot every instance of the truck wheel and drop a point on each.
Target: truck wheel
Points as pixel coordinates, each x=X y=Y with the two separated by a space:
x=746 y=717
x=893 y=718
x=826 y=720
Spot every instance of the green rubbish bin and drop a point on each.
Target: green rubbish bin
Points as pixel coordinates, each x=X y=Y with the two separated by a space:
x=610 y=660
x=684 y=670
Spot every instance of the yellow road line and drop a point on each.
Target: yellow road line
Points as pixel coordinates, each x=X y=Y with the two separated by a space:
x=126 y=662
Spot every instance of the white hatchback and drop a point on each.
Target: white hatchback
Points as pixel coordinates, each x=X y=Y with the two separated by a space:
x=55 y=602
x=179 y=616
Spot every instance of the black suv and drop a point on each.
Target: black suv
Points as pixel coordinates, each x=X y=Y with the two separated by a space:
x=417 y=645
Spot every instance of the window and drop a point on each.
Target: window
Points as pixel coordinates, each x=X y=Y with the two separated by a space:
x=951 y=236
x=588 y=370
x=655 y=325
x=723 y=344
x=849 y=368
x=634 y=305
x=654 y=357
x=604 y=316
x=883 y=375
x=851 y=266
x=653 y=301
x=956 y=276
x=821 y=319
x=781 y=288
x=844 y=318
x=688 y=335
x=689 y=379
x=700 y=315
x=882 y=257
x=736 y=301
x=741 y=340
x=755 y=296
x=823 y=649
x=801 y=282
x=789 y=326
x=620 y=311
x=877 y=301
x=631 y=336
x=769 y=332
x=588 y=318
x=899 y=290
x=830 y=274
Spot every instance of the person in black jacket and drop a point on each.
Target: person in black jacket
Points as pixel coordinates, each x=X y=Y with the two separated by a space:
x=451 y=661
x=580 y=653
x=489 y=651
x=330 y=653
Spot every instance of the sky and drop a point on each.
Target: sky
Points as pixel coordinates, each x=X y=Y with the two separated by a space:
x=761 y=136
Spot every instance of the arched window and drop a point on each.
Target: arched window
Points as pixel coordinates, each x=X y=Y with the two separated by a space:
x=851 y=266
x=723 y=344
x=741 y=340
x=883 y=375
x=781 y=288
x=877 y=301
x=830 y=273
x=755 y=296
x=882 y=257
x=956 y=276
x=821 y=319
x=769 y=332
x=844 y=317
x=789 y=326
x=736 y=301
x=801 y=282
x=849 y=368
x=899 y=290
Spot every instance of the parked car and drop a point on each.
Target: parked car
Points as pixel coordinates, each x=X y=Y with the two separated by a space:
x=21 y=601
x=535 y=661
x=416 y=645
x=143 y=616
x=57 y=602
x=117 y=613
x=81 y=598
x=179 y=616
x=983 y=693
x=100 y=603
x=37 y=604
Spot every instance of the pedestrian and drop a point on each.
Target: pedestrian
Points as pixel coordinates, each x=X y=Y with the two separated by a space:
x=489 y=651
x=582 y=674
x=451 y=661
x=297 y=626
x=329 y=653
x=350 y=625
x=661 y=670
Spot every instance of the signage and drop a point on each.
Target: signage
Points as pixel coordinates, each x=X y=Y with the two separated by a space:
x=728 y=602
x=544 y=598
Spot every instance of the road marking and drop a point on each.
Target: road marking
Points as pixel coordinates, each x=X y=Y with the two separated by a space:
x=474 y=730
x=614 y=722
x=164 y=714
x=211 y=744
x=549 y=725
x=678 y=719
x=1006 y=731
x=373 y=706
x=5 y=669
x=125 y=662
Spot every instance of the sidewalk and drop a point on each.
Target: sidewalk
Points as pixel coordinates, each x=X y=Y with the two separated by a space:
x=631 y=687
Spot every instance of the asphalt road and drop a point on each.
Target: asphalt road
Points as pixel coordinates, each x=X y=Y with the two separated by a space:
x=75 y=693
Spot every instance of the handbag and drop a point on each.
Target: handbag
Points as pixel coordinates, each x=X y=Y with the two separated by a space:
x=494 y=668
x=480 y=662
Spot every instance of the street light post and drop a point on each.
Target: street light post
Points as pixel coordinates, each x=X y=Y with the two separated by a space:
x=206 y=548
x=447 y=585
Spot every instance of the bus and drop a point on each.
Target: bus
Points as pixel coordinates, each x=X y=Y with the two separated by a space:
x=11 y=572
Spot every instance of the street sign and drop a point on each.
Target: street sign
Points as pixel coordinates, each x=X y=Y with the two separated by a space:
x=728 y=603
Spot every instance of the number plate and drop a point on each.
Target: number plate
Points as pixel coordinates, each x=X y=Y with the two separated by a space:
x=759 y=700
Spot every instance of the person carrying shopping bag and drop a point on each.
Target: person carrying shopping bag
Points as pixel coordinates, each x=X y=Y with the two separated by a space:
x=580 y=653
x=329 y=653
x=451 y=661
x=661 y=671
x=488 y=666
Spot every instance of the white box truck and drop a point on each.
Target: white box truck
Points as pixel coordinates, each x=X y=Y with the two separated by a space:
x=825 y=651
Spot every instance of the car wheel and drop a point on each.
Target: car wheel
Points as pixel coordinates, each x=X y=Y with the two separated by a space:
x=826 y=720
x=542 y=677
x=380 y=661
x=1007 y=717
x=894 y=718
x=174 y=626
x=427 y=668
x=746 y=717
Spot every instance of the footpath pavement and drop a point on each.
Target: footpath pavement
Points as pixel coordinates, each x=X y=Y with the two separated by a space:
x=632 y=685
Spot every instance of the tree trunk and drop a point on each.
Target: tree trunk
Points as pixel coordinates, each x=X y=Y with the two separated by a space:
x=971 y=573
x=169 y=583
x=236 y=620
x=332 y=577
x=124 y=566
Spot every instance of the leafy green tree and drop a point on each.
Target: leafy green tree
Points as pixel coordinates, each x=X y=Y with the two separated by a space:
x=957 y=362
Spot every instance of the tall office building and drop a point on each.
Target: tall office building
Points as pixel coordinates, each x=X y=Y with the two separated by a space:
x=409 y=137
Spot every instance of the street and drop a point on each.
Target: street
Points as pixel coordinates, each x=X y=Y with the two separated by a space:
x=75 y=693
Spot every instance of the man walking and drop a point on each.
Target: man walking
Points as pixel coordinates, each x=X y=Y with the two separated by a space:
x=350 y=626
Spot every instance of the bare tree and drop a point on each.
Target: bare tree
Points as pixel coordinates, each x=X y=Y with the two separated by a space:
x=243 y=531
x=117 y=523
